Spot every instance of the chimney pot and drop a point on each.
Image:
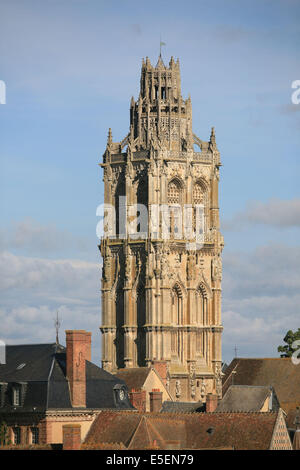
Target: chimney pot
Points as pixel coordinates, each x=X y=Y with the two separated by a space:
x=211 y=402
x=71 y=436
x=155 y=400
x=138 y=399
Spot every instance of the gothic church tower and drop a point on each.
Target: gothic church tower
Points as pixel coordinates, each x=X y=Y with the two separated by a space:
x=161 y=295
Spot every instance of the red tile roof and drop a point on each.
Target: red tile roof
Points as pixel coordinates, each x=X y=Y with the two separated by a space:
x=134 y=377
x=111 y=427
x=183 y=430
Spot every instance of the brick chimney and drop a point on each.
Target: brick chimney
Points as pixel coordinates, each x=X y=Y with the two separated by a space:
x=155 y=400
x=71 y=436
x=138 y=399
x=211 y=402
x=162 y=369
x=88 y=343
x=76 y=341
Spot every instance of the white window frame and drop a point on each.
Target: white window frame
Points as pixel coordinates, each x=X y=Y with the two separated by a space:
x=17 y=435
x=35 y=435
x=17 y=396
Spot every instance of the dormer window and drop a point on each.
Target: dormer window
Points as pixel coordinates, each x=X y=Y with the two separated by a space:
x=16 y=396
x=121 y=395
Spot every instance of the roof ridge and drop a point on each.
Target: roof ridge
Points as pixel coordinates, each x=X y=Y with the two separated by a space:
x=154 y=431
x=237 y=412
x=32 y=344
x=140 y=423
x=250 y=386
x=162 y=416
x=259 y=358
x=131 y=369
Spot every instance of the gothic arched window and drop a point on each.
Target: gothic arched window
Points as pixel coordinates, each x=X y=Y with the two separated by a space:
x=120 y=317
x=177 y=314
x=201 y=305
x=175 y=199
x=199 y=217
x=142 y=206
x=177 y=319
x=197 y=194
x=120 y=208
x=174 y=190
x=141 y=321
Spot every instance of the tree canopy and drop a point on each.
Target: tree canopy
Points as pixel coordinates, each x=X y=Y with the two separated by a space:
x=288 y=349
x=4 y=434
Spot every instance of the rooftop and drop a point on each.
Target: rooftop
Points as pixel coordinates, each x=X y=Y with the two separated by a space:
x=41 y=369
x=248 y=398
x=243 y=431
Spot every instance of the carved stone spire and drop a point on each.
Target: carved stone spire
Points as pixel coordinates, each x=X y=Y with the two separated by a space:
x=160 y=64
x=212 y=139
x=109 y=138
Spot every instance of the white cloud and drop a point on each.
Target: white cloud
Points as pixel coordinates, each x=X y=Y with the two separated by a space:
x=276 y=212
x=34 y=289
x=261 y=299
x=93 y=47
x=20 y=272
x=31 y=237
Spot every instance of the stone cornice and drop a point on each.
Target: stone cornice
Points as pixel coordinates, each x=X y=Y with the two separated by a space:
x=87 y=413
x=187 y=328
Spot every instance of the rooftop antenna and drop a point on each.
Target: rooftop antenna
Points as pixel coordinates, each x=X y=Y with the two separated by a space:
x=161 y=43
x=235 y=351
x=57 y=324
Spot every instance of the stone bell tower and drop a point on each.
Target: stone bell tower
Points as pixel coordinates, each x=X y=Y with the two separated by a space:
x=161 y=289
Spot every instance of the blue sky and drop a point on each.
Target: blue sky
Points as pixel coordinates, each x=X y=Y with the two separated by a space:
x=70 y=69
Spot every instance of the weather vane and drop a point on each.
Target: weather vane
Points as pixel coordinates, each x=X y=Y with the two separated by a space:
x=161 y=43
x=57 y=324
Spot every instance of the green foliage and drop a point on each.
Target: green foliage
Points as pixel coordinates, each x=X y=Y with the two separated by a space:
x=4 y=435
x=287 y=350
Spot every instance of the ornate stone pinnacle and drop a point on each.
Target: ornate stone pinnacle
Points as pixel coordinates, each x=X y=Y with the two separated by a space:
x=213 y=135
x=109 y=138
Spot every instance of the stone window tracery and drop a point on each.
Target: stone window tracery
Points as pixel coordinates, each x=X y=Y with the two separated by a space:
x=175 y=197
x=197 y=194
x=173 y=192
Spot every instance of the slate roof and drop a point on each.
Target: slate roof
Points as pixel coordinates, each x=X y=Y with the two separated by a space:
x=247 y=398
x=241 y=431
x=181 y=407
x=280 y=373
x=41 y=371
